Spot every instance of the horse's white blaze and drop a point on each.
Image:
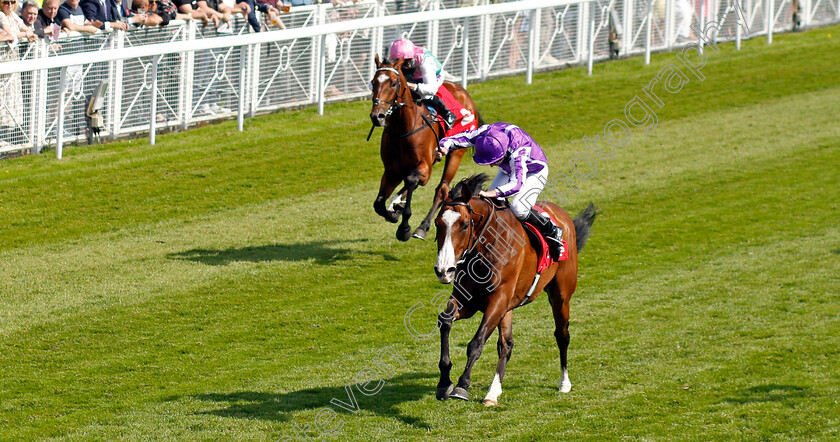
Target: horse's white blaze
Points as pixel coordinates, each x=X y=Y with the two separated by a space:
x=382 y=78
x=565 y=383
x=446 y=255
x=492 y=397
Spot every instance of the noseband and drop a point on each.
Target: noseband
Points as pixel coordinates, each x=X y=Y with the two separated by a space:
x=474 y=240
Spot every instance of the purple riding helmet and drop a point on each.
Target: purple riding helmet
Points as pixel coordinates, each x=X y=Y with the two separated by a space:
x=490 y=147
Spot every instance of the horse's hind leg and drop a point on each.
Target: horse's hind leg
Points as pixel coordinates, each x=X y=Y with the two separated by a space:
x=505 y=347
x=386 y=187
x=560 y=293
x=453 y=161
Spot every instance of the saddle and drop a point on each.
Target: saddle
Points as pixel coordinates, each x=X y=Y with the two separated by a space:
x=466 y=120
x=540 y=244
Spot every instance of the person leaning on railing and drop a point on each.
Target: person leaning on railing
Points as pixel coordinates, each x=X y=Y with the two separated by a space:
x=72 y=18
x=11 y=111
x=28 y=13
x=252 y=16
x=43 y=26
x=135 y=20
x=103 y=12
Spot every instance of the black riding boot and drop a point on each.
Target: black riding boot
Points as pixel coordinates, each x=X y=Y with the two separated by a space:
x=448 y=117
x=552 y=233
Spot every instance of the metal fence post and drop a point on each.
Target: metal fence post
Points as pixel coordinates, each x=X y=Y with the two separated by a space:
x=188 y=77
x=434 y=28
x=153 y=106
x=322 y=73
x=240 y=118
x=533 y=53
x=40 y=90
x=59 y=129
x=769 y=6
x=465 y=43
x=738 y=24
x=115 y=86
x=591 y=33
x=649 y=30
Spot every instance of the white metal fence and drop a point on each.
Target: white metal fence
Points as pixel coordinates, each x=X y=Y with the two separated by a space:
x=326 y=54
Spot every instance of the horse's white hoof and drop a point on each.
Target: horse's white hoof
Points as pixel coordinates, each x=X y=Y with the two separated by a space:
x=490 y=402
x=565 y=387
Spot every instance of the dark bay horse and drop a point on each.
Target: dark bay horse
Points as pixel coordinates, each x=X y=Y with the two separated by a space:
x=408 y=145
x=485 y=250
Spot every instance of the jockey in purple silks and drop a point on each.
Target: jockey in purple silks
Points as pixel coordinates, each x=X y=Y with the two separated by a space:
x=425 y=74
x=523 y=172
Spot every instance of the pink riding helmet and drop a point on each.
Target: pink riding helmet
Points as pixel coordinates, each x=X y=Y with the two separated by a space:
x=490 y=147
x=402 y=48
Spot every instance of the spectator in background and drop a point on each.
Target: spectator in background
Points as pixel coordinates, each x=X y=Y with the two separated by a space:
x=11 y=102
x=14 y=25
x=46 y=18
x=72 y=18
x=28 y=13
x=164 y=8
x=103 y=12
x=252 y=15
x=139 y=19
x=190 y=7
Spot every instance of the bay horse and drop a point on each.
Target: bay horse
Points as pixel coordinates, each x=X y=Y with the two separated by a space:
x=485 y=250
x=408 y=144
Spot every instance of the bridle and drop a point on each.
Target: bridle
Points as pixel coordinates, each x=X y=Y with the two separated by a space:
x=395 y=103
x=474 y=239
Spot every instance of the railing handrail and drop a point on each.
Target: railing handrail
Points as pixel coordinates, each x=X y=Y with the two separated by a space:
x=278 y=35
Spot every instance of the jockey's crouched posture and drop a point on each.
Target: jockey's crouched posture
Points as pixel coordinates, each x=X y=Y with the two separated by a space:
x=425 y=75
x=523 y=172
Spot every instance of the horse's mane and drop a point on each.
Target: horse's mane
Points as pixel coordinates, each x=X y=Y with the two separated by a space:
x=468 y=187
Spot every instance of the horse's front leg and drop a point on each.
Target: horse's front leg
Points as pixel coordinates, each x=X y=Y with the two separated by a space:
x=454 y=311
x=386 y=188
x=453 y=161
x=492 y=317
x=411 y=182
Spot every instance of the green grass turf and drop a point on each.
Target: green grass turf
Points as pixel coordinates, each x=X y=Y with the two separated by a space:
x=222 y=285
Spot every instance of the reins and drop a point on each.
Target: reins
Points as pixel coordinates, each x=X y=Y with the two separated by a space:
x=474 y=239
x=396 y=104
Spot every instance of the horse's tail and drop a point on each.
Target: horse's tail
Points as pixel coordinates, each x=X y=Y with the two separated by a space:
x=583 y=221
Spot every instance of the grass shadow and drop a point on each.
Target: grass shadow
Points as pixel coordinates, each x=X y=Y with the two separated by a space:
x=787 y=394
x=408 y=387
x=323 y=252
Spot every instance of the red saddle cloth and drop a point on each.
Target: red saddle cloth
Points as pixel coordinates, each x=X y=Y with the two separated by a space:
x=545 y=257
x=460 y=112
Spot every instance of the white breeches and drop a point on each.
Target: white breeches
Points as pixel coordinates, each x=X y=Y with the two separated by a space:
x=522 y=201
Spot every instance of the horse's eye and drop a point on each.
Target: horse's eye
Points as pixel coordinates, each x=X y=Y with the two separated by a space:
x=465 y=227
x=394 y=83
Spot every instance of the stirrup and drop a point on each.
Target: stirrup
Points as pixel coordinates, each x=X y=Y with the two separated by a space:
x=449 y=119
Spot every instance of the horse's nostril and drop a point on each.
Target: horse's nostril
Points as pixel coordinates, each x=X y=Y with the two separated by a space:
x=450 y=271
x=437 y=272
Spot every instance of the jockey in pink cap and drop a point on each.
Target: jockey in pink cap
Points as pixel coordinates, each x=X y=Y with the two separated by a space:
x=523 y=172
x=424 y=73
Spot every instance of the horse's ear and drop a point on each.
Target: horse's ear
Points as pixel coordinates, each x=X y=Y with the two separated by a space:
x=398 y=64
x=378 y=63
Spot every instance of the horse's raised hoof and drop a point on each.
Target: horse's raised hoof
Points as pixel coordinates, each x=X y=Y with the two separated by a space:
x=443 y=392
x=490 y=402
x=392 y=217
x=404 y=232
x=419 y=234
x=459 y=393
